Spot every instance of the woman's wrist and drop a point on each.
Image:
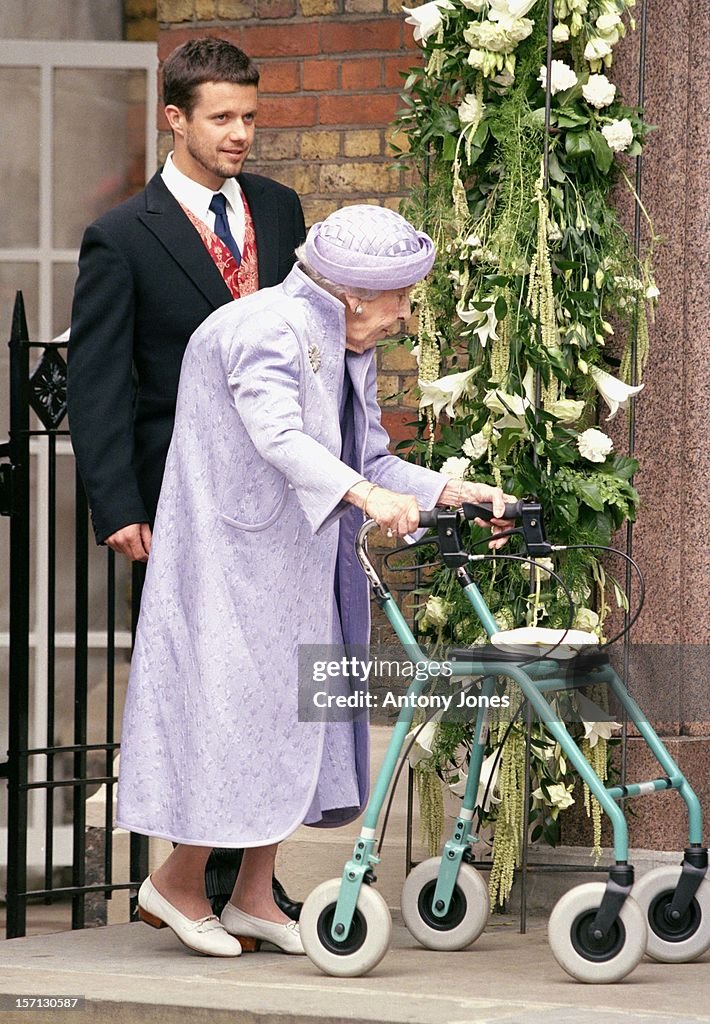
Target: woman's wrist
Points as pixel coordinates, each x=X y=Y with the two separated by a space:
x=359 y=495
x=452 y=494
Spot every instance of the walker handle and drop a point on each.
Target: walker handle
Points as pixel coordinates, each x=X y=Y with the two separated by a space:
x=484 y=510
x=472 y=510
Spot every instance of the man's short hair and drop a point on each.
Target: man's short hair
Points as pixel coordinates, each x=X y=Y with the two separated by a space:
x=204 y=60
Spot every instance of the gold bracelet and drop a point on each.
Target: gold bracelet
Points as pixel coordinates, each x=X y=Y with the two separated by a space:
x=367 y=498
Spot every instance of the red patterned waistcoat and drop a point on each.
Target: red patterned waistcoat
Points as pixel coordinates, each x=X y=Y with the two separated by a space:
x=243 y=279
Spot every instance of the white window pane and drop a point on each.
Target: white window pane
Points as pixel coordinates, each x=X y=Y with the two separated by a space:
x=99 y=145
x=19 y=157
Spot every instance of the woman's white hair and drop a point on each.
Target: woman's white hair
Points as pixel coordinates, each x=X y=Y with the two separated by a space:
x=339 y=290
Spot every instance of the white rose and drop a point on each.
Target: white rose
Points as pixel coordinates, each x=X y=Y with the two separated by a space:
x=475 y=446
x=599 y=91
x=427 y=19
x=471 y=109
x=596 y=49
x=606 y=23
x=594 y=445
x=455 y=467
x=619 y=134
x=586 y=619
x=560 y=33
x=562 y=77
x=475 y=59
x=436 y=611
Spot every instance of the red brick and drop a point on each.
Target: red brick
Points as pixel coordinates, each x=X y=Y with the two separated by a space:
x=296 y=111
x=280 y=40
x=393 y=66
x=355 y=36
x=169 y=39
x=408 y=39
x=320 y=75
x=358 y=109
x=365 y=73
x=276 y=8
x=281 y=77
x=398 y=424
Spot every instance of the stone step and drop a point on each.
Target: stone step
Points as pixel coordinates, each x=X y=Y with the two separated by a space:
x=311 y=856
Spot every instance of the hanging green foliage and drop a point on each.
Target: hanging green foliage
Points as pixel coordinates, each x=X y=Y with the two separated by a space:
x=536 y=284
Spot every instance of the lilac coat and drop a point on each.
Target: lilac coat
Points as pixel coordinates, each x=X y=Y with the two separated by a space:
x=249 y=530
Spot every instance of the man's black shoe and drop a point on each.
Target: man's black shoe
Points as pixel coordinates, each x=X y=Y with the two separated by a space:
x=283 y=901
x=221 y=874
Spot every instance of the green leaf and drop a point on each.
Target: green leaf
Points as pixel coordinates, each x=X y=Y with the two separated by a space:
x=621 y=466
x=449 y=149
x=501 y=307
x=603 y=155
x=577 y=143
x=591 y=495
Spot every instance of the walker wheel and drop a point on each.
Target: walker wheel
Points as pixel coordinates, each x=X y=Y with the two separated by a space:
x=467 y=914
x=673 y=942
x=367 y=942
x=579 y=953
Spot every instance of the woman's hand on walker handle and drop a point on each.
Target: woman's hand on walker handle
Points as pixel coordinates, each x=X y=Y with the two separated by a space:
x=458 y=491
x=396 y=514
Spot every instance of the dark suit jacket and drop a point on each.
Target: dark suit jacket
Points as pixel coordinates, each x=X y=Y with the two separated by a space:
x=146 y=282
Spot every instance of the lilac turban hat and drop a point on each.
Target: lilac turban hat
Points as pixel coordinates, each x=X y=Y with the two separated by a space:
x=369 y=247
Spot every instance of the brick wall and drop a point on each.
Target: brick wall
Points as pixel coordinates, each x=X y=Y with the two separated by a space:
x=330 y=83
x=140 y=20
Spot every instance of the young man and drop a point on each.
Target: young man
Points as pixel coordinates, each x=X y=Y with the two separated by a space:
x=201 y=234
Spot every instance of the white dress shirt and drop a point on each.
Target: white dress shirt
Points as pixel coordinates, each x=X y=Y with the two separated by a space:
x=197 y=199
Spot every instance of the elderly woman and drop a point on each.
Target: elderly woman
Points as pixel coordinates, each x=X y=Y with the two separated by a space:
x=276 y=454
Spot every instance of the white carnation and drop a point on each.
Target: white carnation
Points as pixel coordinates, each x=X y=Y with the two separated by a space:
x=599 y=91
x=475 y=446
x=471 y=109
x=594 y=445
x=455 y=468
x=619 y=134
x=562 y=77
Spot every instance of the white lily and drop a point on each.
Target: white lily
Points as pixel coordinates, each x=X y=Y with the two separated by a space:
x=485 y=322
x=594 y=729
x=512 y=406
x=614 y=392
x=490 y=767
x=423 y=747
x=445 y=393
x=509 y=10
x=559 y=797
x=427 y=19
x=567 y=410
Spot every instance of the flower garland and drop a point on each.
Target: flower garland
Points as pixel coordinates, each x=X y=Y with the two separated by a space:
x=536 y=308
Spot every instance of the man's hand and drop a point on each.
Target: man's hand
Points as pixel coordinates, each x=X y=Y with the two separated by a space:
x=133 y=541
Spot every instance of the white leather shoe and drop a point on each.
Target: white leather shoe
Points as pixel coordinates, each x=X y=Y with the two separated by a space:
x=206 y=935
x=253 y=932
